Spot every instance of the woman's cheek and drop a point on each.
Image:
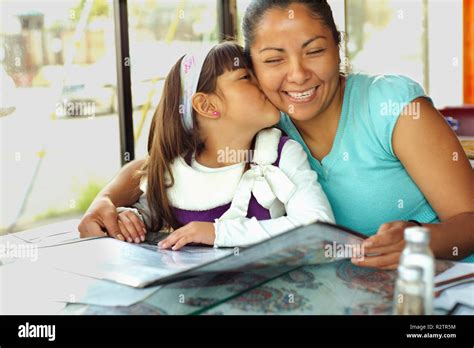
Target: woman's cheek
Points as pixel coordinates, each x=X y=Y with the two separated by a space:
x=275 y=98
x=269 y=81
x=328 y=67
x=271 y=89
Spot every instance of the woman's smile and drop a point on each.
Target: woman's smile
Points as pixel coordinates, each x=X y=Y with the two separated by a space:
x=301 y=96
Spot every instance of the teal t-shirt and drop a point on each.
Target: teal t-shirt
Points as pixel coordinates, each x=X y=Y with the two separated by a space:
x=365 y=182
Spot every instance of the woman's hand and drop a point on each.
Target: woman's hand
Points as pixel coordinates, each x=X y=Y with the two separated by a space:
x=123 y=190
x=193 y=232
x=132 y=228
x=387 y=245
x=101 y=215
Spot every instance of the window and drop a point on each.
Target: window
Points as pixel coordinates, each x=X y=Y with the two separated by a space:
x=160 y=32
x=420 y=39
x=387 y=37
x=241 y=7
x=60 y=138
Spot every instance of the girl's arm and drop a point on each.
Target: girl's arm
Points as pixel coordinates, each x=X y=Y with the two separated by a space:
x=434 y=158
x=123 y=190
x=307 y=205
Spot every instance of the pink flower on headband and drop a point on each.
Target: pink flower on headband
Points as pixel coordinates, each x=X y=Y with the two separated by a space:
x=188 y=63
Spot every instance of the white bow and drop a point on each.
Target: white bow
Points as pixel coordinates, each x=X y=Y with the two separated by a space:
x=267 y=183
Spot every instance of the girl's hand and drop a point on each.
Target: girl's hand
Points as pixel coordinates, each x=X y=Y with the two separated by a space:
x=387 y=244
x=193 y=232
x=132 y=229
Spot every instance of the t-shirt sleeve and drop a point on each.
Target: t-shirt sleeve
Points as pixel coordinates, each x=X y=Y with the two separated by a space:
x=389 y=96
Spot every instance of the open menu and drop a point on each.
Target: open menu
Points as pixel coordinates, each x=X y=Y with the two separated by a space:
x=145 y=264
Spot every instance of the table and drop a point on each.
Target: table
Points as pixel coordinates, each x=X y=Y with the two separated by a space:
x=334 y=288
x=471 y=138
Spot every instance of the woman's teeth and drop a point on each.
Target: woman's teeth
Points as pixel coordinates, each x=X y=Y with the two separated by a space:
x=302 y=95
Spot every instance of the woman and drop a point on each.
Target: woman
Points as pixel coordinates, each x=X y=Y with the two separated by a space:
x=380 y=165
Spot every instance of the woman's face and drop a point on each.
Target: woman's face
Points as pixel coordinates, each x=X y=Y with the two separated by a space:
x=296 y=61
x=243 y=104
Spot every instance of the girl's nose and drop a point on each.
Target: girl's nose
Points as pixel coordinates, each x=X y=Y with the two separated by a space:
x=298 y=73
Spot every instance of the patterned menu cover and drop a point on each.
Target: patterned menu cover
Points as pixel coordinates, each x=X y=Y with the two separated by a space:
x=145 y=265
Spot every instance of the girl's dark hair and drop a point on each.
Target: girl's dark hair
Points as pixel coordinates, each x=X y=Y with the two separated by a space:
x=168 y=138
x=320 y=9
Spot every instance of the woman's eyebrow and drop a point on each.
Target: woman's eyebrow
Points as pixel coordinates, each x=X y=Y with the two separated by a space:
x=306 y=43
x=271 y=48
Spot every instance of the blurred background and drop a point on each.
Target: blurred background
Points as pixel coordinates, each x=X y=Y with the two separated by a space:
x=66 y=114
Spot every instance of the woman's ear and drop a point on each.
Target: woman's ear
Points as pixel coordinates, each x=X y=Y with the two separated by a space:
x=204 y=106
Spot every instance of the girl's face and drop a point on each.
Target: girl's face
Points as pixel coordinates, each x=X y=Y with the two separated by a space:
x=296 y=61
x=243 y=102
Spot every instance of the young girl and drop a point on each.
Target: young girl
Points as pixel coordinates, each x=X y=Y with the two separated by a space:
x=215 y=172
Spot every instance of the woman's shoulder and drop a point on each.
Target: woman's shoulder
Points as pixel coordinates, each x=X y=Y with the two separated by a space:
x=380 y=100
x=385 y=87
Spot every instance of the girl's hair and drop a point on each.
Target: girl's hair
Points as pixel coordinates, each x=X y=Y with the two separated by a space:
x=320 y=9
x=168 y=138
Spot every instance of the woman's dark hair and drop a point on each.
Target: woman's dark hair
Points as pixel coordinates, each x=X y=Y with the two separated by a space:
x=168 y=138
x=320 y=9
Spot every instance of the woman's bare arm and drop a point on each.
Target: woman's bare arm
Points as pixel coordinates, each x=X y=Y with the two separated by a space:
x=433 y=157
x=123 y=190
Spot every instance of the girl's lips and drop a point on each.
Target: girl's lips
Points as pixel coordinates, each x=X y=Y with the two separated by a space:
x=302 y=97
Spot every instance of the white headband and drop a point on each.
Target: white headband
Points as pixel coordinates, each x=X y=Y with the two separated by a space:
x=191 y=67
